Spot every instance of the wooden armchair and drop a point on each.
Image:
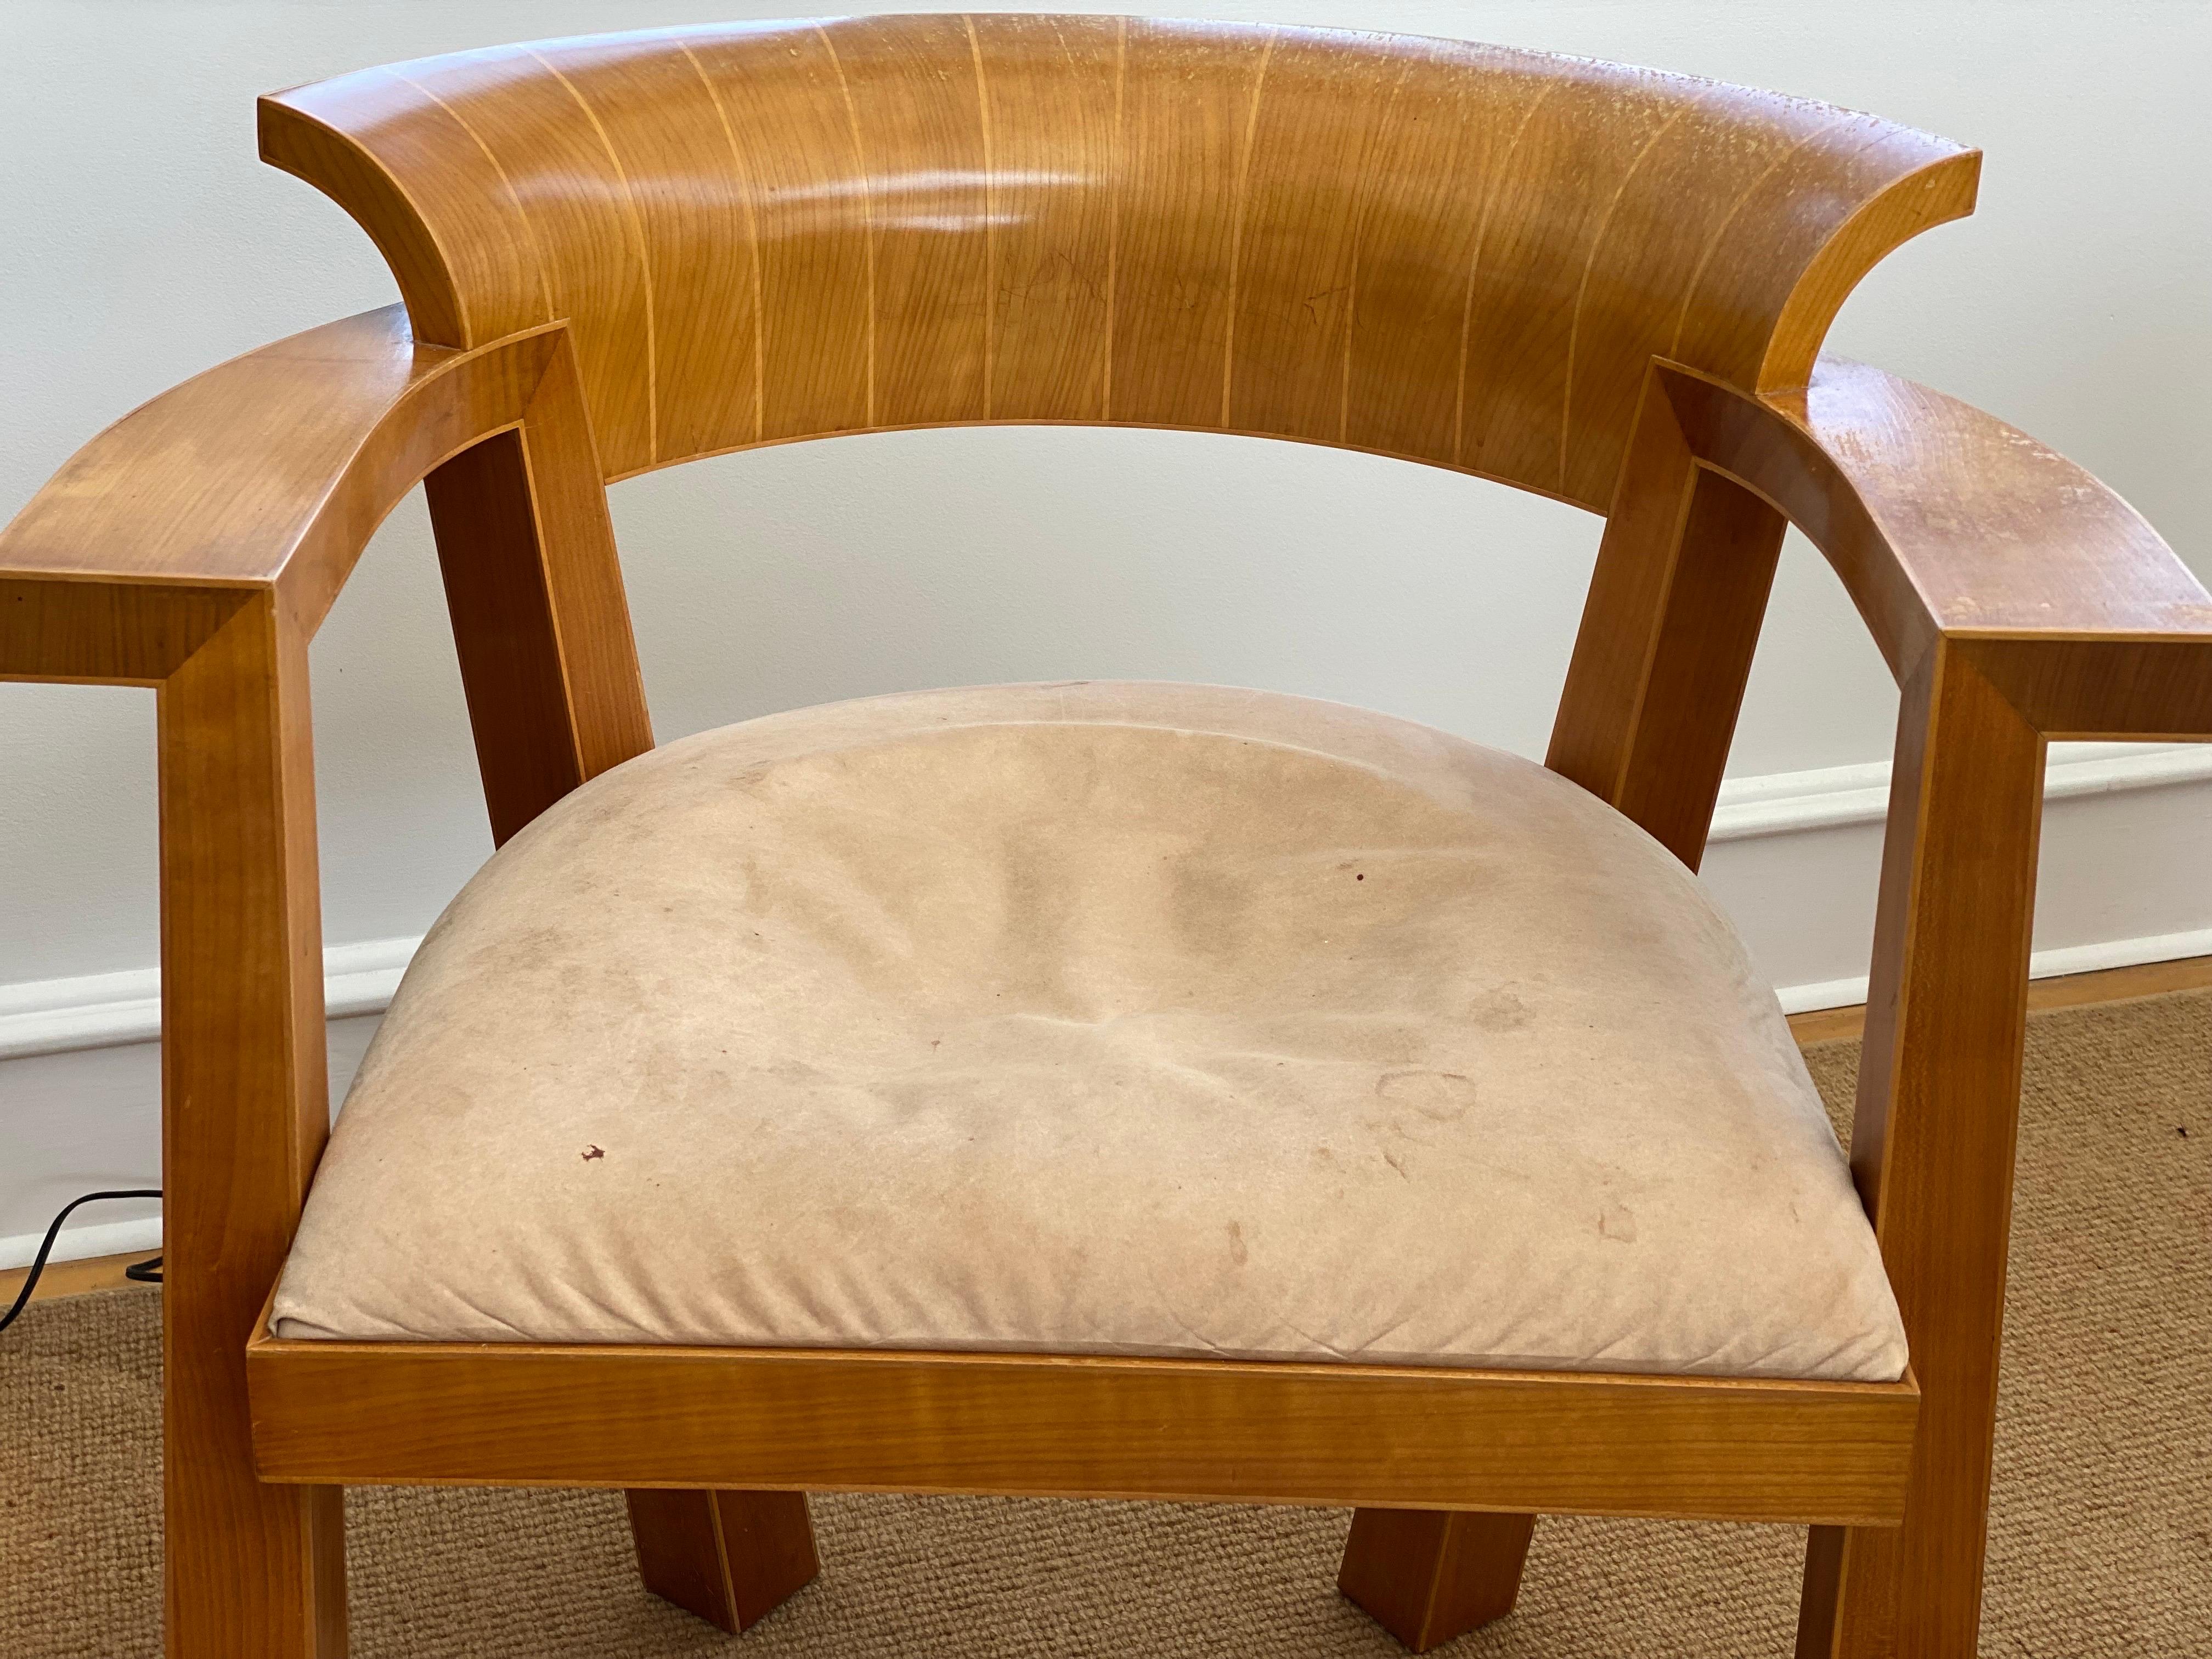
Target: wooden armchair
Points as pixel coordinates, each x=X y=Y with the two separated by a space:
x=1605 y=285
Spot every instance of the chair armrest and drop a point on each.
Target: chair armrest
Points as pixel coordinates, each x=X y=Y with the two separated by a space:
x=269 y=471
x=1947 y=524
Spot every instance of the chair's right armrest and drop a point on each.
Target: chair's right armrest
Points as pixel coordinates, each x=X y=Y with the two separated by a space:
x=1948 y=525
x=269 y=471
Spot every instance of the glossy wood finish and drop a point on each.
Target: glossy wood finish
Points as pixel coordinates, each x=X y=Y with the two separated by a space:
x=253 y=1570
x=1944 y=522
x=1454 y=253
x=2016 y=598
x=195 y=545
x=1932 y=1143
x=1427 y=1576
x=269 y=473
x=1665 y=648
x=1605 y=285
x=732 y=1558
x=1198 y=1431
x=534 y=589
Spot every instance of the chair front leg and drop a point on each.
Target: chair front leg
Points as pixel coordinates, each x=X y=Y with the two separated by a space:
x=1932 y=1149
x=253 y=1572
x=732 y=1558
x=1427 y=1576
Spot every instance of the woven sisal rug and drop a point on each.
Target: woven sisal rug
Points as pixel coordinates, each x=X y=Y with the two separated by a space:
x=2101 y=1538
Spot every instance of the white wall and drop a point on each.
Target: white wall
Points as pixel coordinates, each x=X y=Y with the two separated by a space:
x=145 y=242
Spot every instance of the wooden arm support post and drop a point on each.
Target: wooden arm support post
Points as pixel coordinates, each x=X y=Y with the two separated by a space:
x=2015 y=599
x=195 y=546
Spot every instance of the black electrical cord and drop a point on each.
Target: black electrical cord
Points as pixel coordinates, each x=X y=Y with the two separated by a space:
x=144 y=1271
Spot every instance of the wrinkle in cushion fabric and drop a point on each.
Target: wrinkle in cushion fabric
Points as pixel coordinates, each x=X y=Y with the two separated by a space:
x=1094 y=1018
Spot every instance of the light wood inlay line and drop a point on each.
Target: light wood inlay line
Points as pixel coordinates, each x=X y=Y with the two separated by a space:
x=636 y=224
x=529 y=229
x=743 y=177
x=990 y=212
x=867 y=195
x=1719 y=233
x=1117 y=177
x=1582 y=288
x=1475 y=267
x=1236 y=222
x=1351 y=280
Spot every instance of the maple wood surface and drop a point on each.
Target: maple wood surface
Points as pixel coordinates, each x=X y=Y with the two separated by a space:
x=1457 y=253
x=1601 y=284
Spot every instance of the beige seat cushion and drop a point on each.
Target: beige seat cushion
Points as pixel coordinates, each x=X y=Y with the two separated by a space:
x=1101 y=1019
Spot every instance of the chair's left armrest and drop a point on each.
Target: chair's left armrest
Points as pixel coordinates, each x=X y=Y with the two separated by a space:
x=267 y=472
x=1946 y=524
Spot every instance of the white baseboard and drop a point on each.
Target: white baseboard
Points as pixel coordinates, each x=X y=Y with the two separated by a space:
x=1785 y=803
x=104 y=1010
x=82 y=1243
x=2043 y=964
x=58 y=1015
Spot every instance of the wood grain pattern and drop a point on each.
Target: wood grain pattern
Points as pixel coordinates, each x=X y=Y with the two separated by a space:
x=81 y=1278
x=1669 y=628
x=534 y=589
x=509 y=1413
x=54 y=626
x=251 y=1570
x=195 y=544
x=269 y=471
x=732 y=1558
x=1605 y=285
x=1944 y=522
x=1427 y=1576
x=1932 y=1143
x=242 y=456
x=1456 y=253
x=2015 y=597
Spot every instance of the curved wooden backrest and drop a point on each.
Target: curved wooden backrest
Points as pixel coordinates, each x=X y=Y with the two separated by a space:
x=1452 y=253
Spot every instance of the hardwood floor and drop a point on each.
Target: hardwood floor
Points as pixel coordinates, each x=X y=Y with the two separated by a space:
x=99 y=1273
x=2148 y=979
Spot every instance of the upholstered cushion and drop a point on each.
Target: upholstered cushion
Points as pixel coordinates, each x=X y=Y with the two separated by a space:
x=1094 y=1018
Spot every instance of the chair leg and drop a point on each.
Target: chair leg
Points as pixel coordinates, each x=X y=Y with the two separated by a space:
x=252 y=1572
x=1427 y=1576
x=732 y=1558
x=1932 y=1148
